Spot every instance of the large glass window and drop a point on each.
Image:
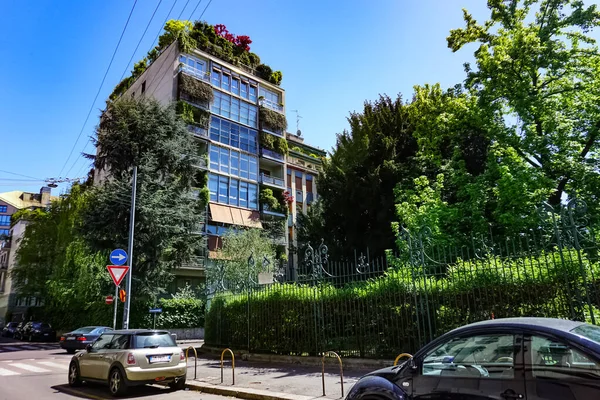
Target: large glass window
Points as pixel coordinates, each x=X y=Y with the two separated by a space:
x=269 y=95
x=214 y=157
x=213 y=187
x=235 y=86
x=483 y=356
x=193 y=66
x=244 y=166
x=233 y=162
x=225 y=82
x=239 y=111
x=253 y=92
x=253 y=169
x=243 y=194
x=557 y=360
x=225 y=160
x=252 y=196
x=3 y=209
x=244 y=90
x=4 y=232
x=223 y=189
x=233 y=191
x=5 y=220
x=234 y=135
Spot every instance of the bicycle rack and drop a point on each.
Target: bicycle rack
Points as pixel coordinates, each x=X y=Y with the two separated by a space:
x=401 y=356
x=232 y=366
x=195 y=359
x=341 y=370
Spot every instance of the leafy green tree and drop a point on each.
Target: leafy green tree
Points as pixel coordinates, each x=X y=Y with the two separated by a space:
x=537 y=65
x=145 y=134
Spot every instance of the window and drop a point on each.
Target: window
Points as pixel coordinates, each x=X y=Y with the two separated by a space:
x=235 y=86
x=213 y=186
x=244 y=194
x=225 y=82
x=214 y=158
x=253 y=196
x=269 y=96
x=244 y=89
x=5 y=220
x=216 y=78
x=234 y=135
x=239 y=111
x=4 y=232
x=3 y=209
x=223 y=189
x=194 y=66
x=253 y=170
x=233 y=192
x=103 y=342
x=244 y=166
x=485 y=356
x=152 y=340
x=299 y=196
x=253 y=91
x=143 y=87
x=233 y=162
x=556 y=360
x=120 y=342
x=225 y=160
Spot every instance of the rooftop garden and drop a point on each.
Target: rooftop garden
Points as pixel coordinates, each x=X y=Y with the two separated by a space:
x=215 y=40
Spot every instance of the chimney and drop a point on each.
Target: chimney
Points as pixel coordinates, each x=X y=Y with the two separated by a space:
x=45 y=196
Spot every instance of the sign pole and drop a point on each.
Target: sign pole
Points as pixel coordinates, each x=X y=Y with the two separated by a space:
x=116 y=302
x=130 y=250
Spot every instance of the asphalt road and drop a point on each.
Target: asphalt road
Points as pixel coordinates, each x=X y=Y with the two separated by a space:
x=38 y=371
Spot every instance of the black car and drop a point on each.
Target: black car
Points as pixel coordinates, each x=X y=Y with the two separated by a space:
x=504 y=359
x=80 y=338
x=34 y=331
x=10 y=329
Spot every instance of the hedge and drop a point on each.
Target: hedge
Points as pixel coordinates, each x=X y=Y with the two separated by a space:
x=402 y=309
x=197 y=91
x=272 y=119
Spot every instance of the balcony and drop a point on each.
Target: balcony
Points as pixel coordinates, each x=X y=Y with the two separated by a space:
x=200 y=162
x=268 y=211
x=270 y=154
x=198 y=131
x=271 y=105
x=278 y=183
x=196 y=73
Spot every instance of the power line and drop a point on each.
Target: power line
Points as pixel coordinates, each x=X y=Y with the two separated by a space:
x=142 y=38
x=183 y=9
x=25 y=176
x=194 y=10
x=164 y=22
x=97 y=94
x=204 y=10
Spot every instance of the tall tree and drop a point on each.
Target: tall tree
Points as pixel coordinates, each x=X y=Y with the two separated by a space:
x=536 y=64
x=145 y=134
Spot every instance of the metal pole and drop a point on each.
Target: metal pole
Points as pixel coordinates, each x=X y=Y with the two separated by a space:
x=130 y=250
x=116 y=301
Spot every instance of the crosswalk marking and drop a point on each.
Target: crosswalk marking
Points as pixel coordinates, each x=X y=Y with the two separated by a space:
x=53 y=364
x=10 y=348
x=27 y=347
x=6 y=372
x=28 y=367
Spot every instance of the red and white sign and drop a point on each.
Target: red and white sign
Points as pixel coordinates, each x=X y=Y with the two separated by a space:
x=109 y=299
x=117 y=272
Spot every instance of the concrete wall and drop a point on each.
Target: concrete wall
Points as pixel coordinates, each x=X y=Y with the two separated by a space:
x=188 y=333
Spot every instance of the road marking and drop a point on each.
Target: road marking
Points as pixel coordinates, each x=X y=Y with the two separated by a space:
x=10 y=348
x=53 y=364
x=6 y=372
x=27 y=347
x=28 y=367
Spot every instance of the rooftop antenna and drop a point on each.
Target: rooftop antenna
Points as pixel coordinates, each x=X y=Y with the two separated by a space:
x=298 y=116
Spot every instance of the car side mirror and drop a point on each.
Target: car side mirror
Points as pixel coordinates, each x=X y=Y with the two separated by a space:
x=88 y=348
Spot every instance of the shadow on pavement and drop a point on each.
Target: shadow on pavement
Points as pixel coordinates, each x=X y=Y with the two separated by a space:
x=99 y=392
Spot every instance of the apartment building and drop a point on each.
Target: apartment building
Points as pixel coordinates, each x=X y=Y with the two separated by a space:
x=10 y=236
x=238 y=122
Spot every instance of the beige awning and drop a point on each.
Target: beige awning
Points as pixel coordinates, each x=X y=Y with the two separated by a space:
x=219 y=213
x=251 y=219
x=237 y=216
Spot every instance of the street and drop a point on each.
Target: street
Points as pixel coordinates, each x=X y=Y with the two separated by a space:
x=39 y=371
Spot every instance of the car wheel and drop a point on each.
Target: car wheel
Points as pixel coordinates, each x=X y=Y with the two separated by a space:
x=74 y=378
x=178 y=384
x=116 y=383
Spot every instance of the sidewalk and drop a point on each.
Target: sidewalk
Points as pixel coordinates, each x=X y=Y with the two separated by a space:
x=261 y=381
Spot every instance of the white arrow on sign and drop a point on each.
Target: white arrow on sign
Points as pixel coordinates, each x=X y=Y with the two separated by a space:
x=119 y=257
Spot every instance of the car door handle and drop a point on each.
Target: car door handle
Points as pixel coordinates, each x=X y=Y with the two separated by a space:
x=510 y=394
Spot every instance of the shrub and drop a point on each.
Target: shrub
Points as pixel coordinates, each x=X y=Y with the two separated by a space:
x=272 y=120
x=197 y=91
x=192 y=114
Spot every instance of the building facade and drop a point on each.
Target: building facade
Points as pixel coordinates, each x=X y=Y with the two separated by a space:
x=238 y=122
x=12 y=305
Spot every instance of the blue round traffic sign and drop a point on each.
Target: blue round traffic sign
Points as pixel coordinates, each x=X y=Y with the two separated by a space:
x=118 y=257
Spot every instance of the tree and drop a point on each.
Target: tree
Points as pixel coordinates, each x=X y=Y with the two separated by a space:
x=233 y=267
x=537 y=65
x=167 y=219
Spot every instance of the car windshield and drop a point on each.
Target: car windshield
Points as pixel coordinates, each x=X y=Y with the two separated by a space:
x=87 y=329
x=153 y=340
x=590 y=332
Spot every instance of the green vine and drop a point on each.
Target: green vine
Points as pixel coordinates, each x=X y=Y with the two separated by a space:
x=266 y=197
x=274 y=143
x=272 y=120
x=198 y=91
x=192 y=114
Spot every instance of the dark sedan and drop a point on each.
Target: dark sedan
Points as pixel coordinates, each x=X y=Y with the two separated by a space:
x=38 y=332
x=503 y=359
x=10 y=329
x=80 y=338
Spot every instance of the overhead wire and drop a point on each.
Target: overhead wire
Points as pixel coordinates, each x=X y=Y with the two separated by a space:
x=194 y=10
x=97 y=94
x=16 y=174
x=183 y=9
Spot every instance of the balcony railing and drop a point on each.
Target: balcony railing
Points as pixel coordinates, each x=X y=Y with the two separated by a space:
x=271 y=105
x=271 y=154
x=198 y=131
x=273 y=181
x=200 y=162
x=196 y=73
x=267 y=210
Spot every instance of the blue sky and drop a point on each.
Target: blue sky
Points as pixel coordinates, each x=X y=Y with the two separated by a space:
x=334 y=55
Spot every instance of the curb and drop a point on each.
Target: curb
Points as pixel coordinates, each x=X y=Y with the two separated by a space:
x=349 y=363
x=244 y=393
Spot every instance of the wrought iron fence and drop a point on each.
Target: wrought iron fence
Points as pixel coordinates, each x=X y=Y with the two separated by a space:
x=383 y=306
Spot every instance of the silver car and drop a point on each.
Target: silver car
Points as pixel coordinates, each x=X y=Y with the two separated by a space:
x=127 y=358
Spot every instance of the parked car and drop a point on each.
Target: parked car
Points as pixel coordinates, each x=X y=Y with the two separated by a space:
x=38 y=331
x=515 y=358
x=10 y=329
x=81 y=337
x=127 y=358
x=19 y=330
